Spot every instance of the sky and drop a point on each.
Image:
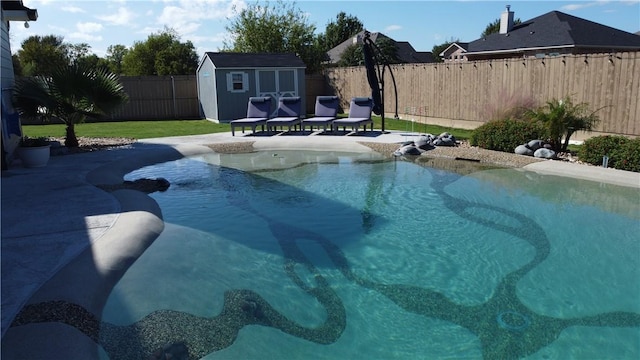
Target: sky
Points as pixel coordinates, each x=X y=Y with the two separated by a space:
x=423 y=23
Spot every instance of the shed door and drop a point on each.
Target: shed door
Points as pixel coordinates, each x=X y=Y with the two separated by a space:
x=277 y=84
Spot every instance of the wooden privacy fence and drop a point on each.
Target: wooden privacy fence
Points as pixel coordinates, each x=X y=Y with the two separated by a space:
x=159 y=97
x=462 y=94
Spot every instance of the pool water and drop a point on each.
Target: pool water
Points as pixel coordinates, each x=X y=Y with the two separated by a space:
x=325 y=255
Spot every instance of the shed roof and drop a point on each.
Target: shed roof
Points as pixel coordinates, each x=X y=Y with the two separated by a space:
x=254 y=60
x=556 y=29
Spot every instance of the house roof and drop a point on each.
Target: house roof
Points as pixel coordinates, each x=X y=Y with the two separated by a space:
x=556 y=30
x=336 y=53
x=406 y=53
x=254 y=60
x=14 y=10
x=454 y=47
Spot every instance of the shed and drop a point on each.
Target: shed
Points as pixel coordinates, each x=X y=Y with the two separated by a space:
x=227 y=80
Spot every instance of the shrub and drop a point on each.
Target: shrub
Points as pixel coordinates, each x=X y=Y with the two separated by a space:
x=506 y=135
x=628 y=156
x=623 y=153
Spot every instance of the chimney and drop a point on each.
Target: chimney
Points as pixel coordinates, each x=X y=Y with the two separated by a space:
x=506 y=20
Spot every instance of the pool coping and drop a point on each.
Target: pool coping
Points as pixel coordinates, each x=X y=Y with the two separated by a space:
x=140 y=219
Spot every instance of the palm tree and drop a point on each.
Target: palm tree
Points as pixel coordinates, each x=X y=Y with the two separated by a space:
x=72 y=93
x=563 y=118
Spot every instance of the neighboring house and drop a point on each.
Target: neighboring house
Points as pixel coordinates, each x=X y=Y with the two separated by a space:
x=552 y=34
x=227 y=80
x=406 y=53
x=455 y=52
x=11 y=129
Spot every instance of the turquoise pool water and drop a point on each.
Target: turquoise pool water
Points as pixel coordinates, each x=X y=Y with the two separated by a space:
x=300 y=255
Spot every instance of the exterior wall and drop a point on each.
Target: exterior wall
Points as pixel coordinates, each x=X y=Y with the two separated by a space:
x=207 y=95
x=233 y=105
x=261 y=81
x=9 y=141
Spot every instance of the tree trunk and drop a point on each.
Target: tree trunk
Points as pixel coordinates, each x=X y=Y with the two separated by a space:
x=71 y=140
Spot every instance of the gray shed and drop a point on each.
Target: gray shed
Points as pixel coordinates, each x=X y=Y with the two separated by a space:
x=226 y=81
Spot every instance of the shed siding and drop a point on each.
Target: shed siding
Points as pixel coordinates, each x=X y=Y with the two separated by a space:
x=233 y=105
x=207 y=90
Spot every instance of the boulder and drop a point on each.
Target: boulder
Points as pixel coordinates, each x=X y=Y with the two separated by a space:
x=445 y=141
x=523 y=150
x=535 y=144
x=545 y=153
x=424 y=143
x=407 y=150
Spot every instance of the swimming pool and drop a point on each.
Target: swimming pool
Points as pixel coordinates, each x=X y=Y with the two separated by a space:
x=326 y=255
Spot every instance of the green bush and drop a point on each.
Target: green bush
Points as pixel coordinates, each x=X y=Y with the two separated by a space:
x=506 y=135
x=628 y=156
x=623 y=153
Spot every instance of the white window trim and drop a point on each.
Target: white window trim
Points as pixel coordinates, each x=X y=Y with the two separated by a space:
x=245 y=82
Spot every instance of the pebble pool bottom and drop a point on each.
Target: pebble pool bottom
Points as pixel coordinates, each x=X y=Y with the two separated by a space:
x=326 y=255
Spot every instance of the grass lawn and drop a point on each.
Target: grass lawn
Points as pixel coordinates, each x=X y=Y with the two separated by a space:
x=164 y=128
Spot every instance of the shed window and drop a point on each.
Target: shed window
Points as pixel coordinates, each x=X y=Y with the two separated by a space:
x=237 y=82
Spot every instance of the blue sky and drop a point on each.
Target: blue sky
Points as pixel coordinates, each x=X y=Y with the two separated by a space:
x=422 y=23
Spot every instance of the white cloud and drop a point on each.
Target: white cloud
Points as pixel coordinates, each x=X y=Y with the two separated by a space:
x=582 y=5
x=72 y=9
x=84 y=36
x=393 y=28
x=186 y=16
x=123 y=16
x=89 y=27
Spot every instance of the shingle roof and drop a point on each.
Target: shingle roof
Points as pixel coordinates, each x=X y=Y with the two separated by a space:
x=336 y=53
x=406 y=53
x=557 y=29
x=254 y=60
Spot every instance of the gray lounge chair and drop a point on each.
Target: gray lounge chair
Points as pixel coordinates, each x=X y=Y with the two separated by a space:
x=258 y=111
x=325 y=113
x=359 y=115
x=289 y=112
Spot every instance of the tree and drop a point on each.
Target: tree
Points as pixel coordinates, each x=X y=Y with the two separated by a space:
x=437 y=49
x=563 y=118
x=160 y=54
x=336 y=32
x=77 y=51
x=115 y=54
x=70 y=93
x=353 y=56
x=40 y=55
x=280 y=28
x=494 y=27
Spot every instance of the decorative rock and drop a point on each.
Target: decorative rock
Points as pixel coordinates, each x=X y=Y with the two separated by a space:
x=535 y=144
x=424 y=142
x=445 y=141
x=523 y=150
x=545 y=153
x=407 y=150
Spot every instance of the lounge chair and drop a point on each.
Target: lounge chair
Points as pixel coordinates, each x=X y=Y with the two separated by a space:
x=359 y=115
x=289 y=111
x=258 y=111
x=325 y=113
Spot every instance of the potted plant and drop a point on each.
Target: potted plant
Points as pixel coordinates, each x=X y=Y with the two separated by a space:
x=34 y=152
